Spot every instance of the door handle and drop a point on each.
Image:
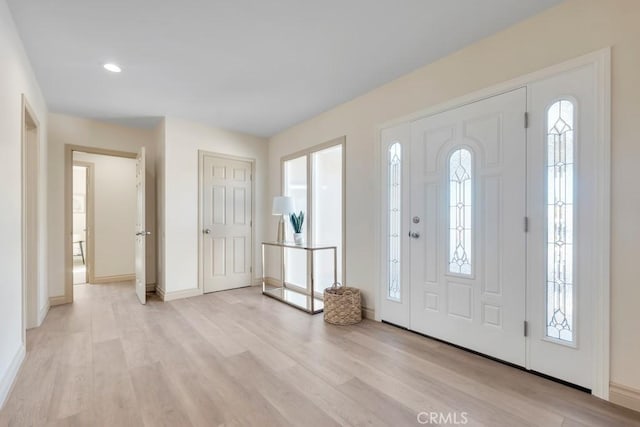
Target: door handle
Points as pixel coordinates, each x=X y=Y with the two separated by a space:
x=414 y=234
x=206 y=231
x=143 y=233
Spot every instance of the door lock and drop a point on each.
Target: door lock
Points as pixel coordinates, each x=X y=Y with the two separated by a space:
x=416 y=220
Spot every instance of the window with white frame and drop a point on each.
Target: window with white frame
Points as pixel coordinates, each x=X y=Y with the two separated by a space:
x=314 y=179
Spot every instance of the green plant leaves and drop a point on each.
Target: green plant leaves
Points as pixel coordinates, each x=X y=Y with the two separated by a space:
x=297 y=221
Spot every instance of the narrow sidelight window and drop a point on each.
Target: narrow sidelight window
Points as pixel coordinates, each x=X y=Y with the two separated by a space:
x=394 y=230
x=560 y=220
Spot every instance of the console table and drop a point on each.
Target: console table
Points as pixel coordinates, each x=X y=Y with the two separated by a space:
x=302 y=298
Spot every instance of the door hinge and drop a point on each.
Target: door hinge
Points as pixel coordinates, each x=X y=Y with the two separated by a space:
x=526 y=328
x=526 y=224
x=250 y=269
x=526 y=120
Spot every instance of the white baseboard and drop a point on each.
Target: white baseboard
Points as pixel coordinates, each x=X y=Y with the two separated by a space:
x=160 y=292
x=151 y=287
x=271 y=281
x=368 y=313
x=42 y=314
x=170 y=296
x=59 y=300
x=113 y=279
x=624 y=396
x=9 y=378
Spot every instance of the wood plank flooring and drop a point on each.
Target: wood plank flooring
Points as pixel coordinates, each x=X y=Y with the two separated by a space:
x=237 y=358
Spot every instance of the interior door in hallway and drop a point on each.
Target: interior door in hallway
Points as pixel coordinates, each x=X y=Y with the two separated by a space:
x=226 y=223
x=468 y=180
x=141 y=233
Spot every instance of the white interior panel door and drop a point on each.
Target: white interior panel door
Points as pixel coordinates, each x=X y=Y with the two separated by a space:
x=468 y=172
x=141 y=233
x=226 y=223
x=562 y=191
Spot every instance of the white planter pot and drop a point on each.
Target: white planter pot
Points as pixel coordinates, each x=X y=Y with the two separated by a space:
x=298 y=238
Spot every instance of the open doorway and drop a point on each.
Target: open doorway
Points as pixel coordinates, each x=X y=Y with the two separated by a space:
x=101 y=218
x=82 y=212
x=30 y=208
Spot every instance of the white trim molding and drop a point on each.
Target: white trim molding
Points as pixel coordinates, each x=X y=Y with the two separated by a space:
x=368 y=313
x=113 y=279
x=170 y=296
x=58 y=300
x=9 y=379
x=625 y=396
x=42 y=313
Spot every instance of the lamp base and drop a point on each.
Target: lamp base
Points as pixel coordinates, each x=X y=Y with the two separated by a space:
x=280 y=235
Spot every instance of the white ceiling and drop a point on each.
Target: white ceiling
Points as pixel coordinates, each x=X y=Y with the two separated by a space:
x=256 y=66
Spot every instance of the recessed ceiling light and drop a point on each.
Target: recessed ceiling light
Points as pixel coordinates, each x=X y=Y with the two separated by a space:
x=112 y=67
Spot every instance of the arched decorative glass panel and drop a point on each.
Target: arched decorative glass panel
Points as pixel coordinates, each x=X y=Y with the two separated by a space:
x=395 y=201
x=460 y=193
x=560 y=214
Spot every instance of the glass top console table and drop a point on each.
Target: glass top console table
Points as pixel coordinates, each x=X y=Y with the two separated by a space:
x=307 y=298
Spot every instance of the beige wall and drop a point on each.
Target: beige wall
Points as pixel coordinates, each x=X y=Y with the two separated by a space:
x=571 y=29
x=16 y=78
x=114 y=215
x=183 y=139
x=91 y=133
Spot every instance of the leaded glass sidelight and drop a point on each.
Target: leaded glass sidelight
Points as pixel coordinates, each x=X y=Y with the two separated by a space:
x=395 y=200
x=460 y=192
x=560 y=214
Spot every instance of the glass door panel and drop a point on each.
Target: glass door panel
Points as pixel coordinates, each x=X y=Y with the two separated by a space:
x=326 y=217
x=295 y=186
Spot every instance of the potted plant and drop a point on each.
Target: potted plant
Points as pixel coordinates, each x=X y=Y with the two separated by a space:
x=296 y=222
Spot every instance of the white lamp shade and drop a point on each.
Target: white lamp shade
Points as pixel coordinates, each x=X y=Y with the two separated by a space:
x=282 y=205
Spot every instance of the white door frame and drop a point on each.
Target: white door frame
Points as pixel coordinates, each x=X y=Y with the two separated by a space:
x=67 y=297
x=342 y=141
x=201 y=155
x=30 y=257
x=601 y=59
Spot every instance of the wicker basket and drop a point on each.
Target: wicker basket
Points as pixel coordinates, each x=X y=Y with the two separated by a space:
x=342 y=305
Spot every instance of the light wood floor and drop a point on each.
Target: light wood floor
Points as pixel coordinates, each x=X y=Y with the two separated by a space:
x=238 y=358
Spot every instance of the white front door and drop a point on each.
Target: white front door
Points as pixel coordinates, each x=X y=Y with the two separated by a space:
x=496 y=226
x=141 y=233
x=563 y=211
x=468 y=172
x=226 y=223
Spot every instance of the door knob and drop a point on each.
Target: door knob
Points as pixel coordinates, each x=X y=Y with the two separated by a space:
x=414 y=234
x=143 y=233
x=206 y=231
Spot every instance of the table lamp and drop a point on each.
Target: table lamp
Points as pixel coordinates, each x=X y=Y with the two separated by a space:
x=282 y=205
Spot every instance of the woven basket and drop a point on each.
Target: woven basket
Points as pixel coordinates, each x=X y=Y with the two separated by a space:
x=342 y=305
